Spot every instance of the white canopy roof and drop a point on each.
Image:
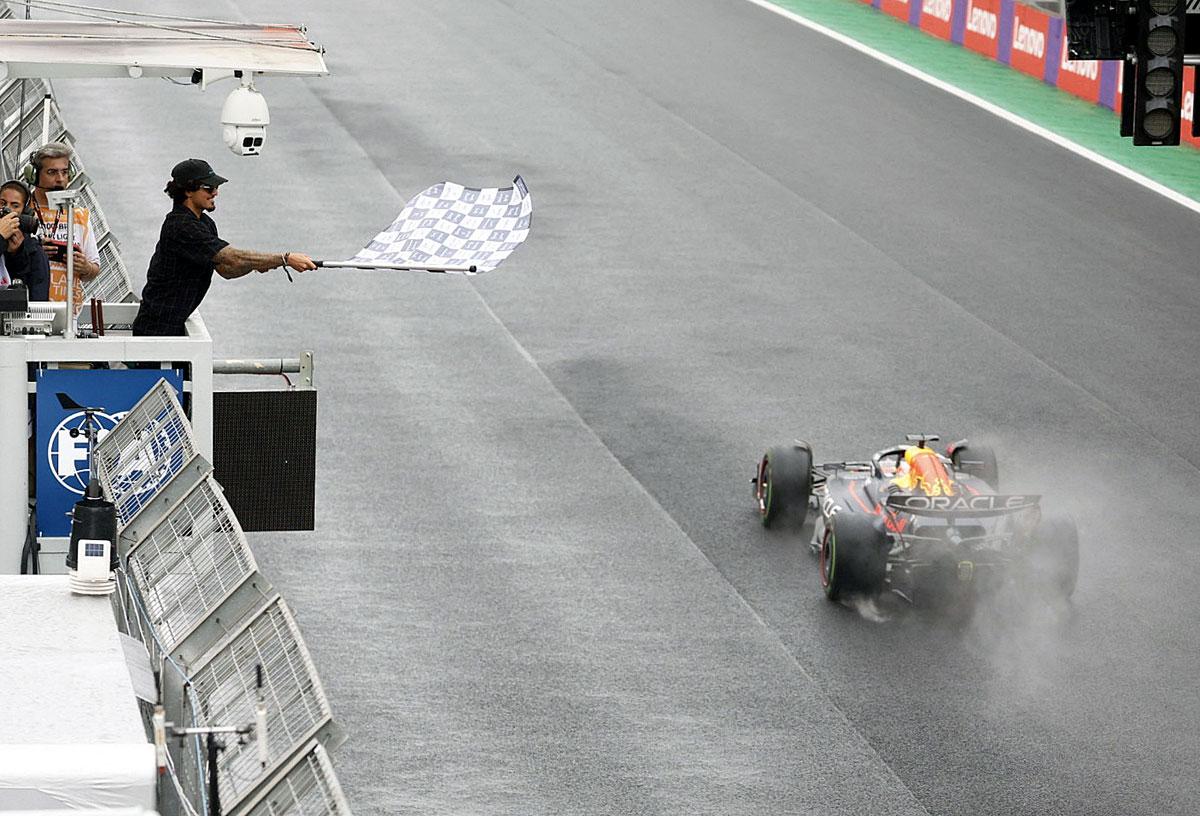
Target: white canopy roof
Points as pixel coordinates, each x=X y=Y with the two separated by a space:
x=53 y=49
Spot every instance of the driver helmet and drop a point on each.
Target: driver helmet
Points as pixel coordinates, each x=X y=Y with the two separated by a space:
x=923 y=469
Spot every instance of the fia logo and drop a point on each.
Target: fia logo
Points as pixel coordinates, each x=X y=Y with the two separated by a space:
x=68 y=454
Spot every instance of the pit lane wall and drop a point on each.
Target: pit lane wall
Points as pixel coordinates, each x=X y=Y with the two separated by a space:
x=1028 y=40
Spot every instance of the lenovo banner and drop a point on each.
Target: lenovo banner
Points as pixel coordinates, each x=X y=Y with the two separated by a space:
x=903 y=9
x=982 y=29
x=1030 y=38
x=1189 y=106
x=1031 y=41
x=936 y=16
x=1080 y=77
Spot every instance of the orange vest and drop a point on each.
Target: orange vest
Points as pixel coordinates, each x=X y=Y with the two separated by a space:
x=54 y=228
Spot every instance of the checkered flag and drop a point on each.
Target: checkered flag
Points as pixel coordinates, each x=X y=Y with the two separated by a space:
x=451 y=228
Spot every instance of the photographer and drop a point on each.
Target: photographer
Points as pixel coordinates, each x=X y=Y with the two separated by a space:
x=189 y=250
x=23 y=257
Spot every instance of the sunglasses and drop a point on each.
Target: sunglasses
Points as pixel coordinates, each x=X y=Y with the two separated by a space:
x=208 y=188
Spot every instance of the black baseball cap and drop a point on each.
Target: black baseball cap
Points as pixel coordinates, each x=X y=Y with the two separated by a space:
x=196 y=170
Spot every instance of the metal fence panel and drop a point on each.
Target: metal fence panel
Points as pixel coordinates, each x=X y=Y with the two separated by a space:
x=190 y=562
x=151 y=444
x=225 y=686
x=20 y=141
x=113 y=284
x=310 y=788
x=10 y=100
x=87 y=198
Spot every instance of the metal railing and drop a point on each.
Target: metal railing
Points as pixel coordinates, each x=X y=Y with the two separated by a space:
x=191 y=562
x=226 y=692
x=191 y=590
x=144 y=452
x=302 y=365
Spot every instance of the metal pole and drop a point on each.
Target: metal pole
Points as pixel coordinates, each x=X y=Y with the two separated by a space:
x=214 y=790
x=21 y=117
x=91 y=427
x=72 y=321
x=272 y=365
x=398 y=267
x=45 y=118
x=14 y=452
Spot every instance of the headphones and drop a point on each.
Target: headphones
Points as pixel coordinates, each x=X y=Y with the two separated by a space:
x=29 y=202
x=33 y=169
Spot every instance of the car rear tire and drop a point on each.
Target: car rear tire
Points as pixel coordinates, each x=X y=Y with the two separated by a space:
x=1054 y=555
x=853 y=556
x=784 y=485
x=978 y=461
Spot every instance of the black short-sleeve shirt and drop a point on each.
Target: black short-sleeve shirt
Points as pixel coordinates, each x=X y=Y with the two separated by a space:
x=180 y=272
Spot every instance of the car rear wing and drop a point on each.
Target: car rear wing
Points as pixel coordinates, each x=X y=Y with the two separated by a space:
x=972 y=506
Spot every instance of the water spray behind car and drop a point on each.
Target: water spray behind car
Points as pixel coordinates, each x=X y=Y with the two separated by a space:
x=915 y=523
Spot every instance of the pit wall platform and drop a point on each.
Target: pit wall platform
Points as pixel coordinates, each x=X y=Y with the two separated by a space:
x=1028 y=40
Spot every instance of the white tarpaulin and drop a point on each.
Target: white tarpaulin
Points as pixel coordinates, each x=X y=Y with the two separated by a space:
x=450 y=225
x=71 y=734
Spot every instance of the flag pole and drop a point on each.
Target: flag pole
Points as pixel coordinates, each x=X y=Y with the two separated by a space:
x=398 y=267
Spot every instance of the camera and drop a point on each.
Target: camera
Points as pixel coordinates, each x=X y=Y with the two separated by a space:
x=29 y=223
x=244 y=120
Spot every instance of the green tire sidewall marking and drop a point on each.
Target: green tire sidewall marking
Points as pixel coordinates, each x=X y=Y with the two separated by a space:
x=830 y=563
x=767 y=492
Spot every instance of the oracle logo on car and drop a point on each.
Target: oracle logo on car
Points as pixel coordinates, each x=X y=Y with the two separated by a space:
x=1028 y=40
x=941 y=9
x=985 y=505
x=981 y=21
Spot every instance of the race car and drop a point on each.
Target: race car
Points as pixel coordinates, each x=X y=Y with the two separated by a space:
x=916 y=522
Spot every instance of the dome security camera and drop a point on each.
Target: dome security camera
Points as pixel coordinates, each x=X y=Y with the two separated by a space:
x=244 y=120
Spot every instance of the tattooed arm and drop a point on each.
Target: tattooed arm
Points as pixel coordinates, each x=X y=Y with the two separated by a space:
x=231 y=262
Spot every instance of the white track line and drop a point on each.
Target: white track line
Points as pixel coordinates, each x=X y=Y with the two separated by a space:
x=1008 y=116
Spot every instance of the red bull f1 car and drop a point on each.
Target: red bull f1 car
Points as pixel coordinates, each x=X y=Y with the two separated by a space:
x=916 y=522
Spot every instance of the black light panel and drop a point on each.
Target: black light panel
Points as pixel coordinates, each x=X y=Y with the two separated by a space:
x=264 y=456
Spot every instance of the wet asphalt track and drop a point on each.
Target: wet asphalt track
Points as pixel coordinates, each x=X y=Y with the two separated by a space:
x=538 y=585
